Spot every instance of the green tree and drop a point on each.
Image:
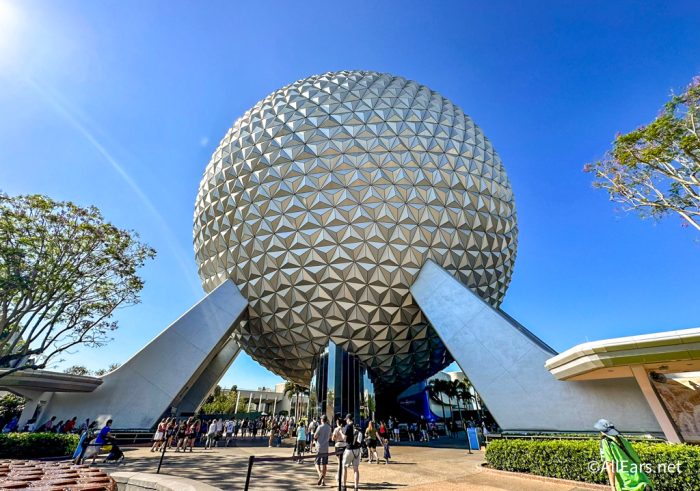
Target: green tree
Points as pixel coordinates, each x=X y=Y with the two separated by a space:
x=77 y=370
x=436 y=389
x=655 y=169
x=104 y=371
x=11 y=405
x=221 y=401
x=291 y=390
x=451 y=390
x=64 y=270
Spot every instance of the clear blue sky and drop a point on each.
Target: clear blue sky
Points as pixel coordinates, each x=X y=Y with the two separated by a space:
x=121 y=103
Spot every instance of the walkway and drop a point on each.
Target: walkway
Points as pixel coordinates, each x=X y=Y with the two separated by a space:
x=413 y=468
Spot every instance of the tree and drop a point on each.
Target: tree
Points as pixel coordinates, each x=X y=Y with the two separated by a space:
x=451 y=390
x=104 y=371
x=655 y=169
x=77 y=370
x=436 y=389
x=11 y=405
x=291 y=389
x=221 y=401
x=64 y=270
x=465 y=394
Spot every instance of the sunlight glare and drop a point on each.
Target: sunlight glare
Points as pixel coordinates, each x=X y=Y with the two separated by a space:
x=9 y=29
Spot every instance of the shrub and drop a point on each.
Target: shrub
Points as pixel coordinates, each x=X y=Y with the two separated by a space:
x=36 y=445
x=571 y=459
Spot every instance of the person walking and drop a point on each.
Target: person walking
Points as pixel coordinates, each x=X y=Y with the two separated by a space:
x=159 y=434
x=301 y=442
x=383 y=434
x=371 y=434
x=229 y=431
x=338 y=438
x=219 y=431
x=192 y=432
x=621 y=460
x=353 y=453
x=423 y=426
x=211 y=435
x=69 y=425
x=322 y=437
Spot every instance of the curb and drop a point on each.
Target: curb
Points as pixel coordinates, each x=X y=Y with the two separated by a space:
x=554 y=480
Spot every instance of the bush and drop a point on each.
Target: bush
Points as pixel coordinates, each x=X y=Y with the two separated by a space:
x=36 y=445
x=571 y=459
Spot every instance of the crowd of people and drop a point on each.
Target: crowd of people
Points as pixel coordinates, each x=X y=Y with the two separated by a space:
x=50 y=426
x=183 y=434
x=348 y=442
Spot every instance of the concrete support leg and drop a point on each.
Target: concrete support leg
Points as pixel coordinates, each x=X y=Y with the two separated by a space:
x=506 y=364
x=139 y=392
x=669 y=429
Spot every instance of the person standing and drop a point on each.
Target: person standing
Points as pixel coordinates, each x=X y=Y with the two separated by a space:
x=301 y=442
x=383 y=434
x=211 y=435
x=353 y=453
x=229 y=431
x=322 y=437
x=621 y=460
x=159 y=435
x=371 y=434
x=48 y=426
x=191 y=433
x=339 y=444
x=70 y=424
x=313 y=424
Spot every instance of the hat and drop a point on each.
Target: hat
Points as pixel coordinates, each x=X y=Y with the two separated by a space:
x=348 y=416
x=606 y=427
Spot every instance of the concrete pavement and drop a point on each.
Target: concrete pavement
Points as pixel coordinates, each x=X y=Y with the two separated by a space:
x=414 y=468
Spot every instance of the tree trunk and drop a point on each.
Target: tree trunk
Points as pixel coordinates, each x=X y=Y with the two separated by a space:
x=444 y=419
x=459 y=408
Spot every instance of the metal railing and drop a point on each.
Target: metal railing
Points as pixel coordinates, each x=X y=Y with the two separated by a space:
x=296 y=458
x=554 y=436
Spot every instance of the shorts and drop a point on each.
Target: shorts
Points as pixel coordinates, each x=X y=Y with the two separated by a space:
x=351 y=457
x=322 y=460
x=371 y=443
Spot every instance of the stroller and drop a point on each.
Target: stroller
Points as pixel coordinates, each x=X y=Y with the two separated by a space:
x=115 y=454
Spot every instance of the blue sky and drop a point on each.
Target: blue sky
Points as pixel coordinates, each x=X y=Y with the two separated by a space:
x=121 y=103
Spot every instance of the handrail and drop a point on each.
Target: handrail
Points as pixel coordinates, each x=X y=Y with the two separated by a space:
x=252 y=459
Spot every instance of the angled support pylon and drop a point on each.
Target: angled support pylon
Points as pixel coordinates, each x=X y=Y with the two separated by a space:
x=177 y=369
x=505 y=363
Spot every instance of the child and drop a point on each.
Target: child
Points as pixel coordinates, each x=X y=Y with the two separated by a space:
x=387 y=451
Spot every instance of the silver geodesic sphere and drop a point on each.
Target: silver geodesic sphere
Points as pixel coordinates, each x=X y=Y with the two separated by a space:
x=324 y=200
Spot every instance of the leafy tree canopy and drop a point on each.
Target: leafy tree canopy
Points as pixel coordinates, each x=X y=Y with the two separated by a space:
x=63 y=272
x=655 y=169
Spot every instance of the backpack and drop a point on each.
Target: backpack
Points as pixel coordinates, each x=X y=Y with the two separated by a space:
x=357 y=438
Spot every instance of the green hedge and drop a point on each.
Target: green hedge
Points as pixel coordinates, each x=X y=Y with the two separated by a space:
x=36 y=445
x=571 y=459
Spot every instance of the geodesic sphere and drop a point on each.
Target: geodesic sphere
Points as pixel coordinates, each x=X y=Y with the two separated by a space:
x=324 y=200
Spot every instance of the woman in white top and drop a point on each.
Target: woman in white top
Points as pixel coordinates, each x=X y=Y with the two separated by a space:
x=338 y=438
x=211 y=435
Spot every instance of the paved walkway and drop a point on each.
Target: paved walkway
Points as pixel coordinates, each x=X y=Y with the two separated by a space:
x=415 y=468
